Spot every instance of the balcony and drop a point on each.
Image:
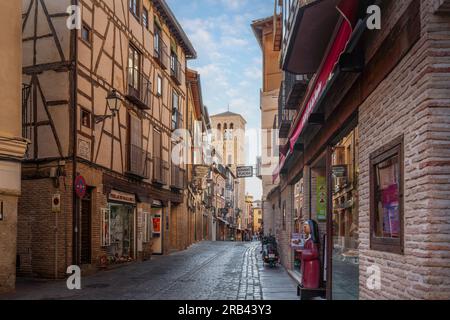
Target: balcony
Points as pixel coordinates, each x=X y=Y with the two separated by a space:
x=139 y=89
x=27 y=116
x=285 y=116
x=308 y=26
x=161 y=53
x=178 y=178
x=138 y=162
x=160 y=168
x=176 y=70
x=295 y=86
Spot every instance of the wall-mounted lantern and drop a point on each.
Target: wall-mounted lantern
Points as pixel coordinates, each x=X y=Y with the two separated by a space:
x=114 y=102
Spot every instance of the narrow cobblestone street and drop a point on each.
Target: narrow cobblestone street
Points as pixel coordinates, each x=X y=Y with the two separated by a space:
x=206 y=271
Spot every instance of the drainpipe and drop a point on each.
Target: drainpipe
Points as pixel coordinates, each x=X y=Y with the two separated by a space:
x=73 y=90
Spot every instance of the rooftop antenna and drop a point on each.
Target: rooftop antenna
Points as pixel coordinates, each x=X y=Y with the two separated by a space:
x=228 y=107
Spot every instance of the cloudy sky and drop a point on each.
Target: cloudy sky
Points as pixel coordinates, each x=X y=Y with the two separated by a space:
x=229 y=58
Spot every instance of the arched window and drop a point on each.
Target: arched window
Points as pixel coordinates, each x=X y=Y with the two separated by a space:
x=231 y=126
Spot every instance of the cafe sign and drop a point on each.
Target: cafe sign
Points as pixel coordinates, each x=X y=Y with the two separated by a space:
x=122 y=197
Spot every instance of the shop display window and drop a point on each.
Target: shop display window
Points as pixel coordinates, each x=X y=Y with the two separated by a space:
x=106 y=228
x=345 y=217
x=386 y=173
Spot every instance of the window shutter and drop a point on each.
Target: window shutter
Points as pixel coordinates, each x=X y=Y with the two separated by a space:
x=135 y=131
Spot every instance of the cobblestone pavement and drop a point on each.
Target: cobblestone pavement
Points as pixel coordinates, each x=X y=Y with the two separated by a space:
x=206 y=271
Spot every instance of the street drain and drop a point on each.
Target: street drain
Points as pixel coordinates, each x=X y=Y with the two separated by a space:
x=97 y=286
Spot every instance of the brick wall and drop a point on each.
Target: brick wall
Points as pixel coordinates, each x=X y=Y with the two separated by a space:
x=418 y=107
x=39 y=228
x=8 y=229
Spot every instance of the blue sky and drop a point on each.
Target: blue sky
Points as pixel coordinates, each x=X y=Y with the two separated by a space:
x=229 y=58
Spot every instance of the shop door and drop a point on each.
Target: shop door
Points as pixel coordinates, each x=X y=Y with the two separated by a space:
x=86 y=211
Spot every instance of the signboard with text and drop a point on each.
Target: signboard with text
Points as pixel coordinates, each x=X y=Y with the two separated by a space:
x=244 y=172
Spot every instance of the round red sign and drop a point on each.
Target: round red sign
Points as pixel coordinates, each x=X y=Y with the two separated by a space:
x=80 y=186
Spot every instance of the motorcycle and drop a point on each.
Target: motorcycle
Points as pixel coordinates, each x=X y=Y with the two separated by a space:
x=270 y=254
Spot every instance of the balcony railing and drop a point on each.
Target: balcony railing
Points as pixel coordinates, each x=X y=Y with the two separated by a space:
x=176 y=70
x=139 y=89
x=160 y=168
x=285 y=116
x=27 y=115
x=295 y=89
x=178 y=177
x=161 y=52
x=138 y=164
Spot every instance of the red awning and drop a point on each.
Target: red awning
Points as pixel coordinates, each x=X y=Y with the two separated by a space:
x=348 y=9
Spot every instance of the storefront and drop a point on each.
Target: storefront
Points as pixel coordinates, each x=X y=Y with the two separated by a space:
x=157 y=214
x=119 y=227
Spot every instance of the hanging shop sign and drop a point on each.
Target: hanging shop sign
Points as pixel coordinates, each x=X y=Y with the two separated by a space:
x=122 y=197
x=80 y=187
x=157 y=204
x=244 y=172
x=321 y=196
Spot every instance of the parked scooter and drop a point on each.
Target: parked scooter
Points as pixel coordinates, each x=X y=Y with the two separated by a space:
x=270 y=251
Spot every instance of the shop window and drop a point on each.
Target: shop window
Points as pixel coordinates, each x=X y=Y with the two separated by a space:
x=345 y=218
x=386 y=197
x=106 y=228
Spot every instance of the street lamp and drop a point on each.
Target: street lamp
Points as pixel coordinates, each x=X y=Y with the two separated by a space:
x=114 y=102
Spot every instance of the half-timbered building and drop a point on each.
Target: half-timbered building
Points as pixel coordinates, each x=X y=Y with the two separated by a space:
x=108 y=88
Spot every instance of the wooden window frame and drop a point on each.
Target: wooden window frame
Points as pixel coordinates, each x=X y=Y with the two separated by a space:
x=176 y=111
x=146 y=14
x=88 y=42
x=138 y=9
x=91 y=118
x=159 y=94
x=391 y=149
x=135 y=50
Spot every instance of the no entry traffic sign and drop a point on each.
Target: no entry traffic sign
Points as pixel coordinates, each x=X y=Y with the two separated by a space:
x=80 y=187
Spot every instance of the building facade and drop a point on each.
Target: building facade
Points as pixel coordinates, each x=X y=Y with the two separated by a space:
x=101 y=186
x=366 y=143
x=257 y=218
x=12 y=145
x=268 y=34
x=228 y=139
